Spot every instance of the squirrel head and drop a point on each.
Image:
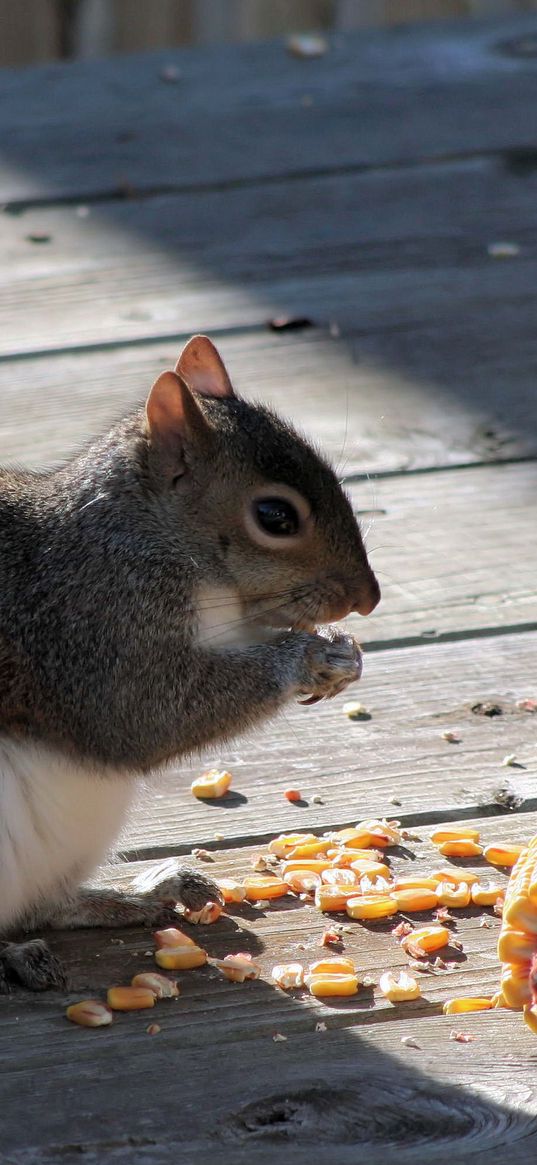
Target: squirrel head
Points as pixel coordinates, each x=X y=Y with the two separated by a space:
x=260 y=510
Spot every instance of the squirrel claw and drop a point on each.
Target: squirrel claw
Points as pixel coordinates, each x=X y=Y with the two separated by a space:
x=31 y=965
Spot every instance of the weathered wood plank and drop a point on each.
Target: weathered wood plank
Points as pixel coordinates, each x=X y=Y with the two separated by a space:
x=246 y=105
x=366 y=1082
x=386 y=401
x=358 y=769
x=368 y=251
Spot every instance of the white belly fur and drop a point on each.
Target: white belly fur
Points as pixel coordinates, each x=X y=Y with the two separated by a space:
x=57 y=822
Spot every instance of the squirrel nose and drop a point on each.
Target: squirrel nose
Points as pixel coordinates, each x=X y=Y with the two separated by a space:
x=368 y=598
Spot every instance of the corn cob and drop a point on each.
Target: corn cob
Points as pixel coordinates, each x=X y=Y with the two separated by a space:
x=517 y=944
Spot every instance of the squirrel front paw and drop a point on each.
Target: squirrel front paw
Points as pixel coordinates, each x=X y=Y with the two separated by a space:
x=331 y=662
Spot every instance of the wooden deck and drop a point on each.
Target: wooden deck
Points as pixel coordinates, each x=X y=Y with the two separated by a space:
x=367 y=190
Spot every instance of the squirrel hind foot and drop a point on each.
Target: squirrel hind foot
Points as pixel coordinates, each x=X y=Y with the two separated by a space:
x=32 y=965
x=189 y=888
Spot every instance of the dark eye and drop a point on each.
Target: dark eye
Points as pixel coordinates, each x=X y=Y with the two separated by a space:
x=277 y=517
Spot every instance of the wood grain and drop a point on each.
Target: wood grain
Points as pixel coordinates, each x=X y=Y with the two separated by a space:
x=358 y=769
x=112 y=123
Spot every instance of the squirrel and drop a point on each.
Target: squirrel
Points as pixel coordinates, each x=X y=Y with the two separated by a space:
x=159 y=591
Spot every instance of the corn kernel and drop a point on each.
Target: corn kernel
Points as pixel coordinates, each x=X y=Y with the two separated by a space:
x=463 y=1004
x=172 y=937
x=486 y=894
x=282 y=845
x=238 y=967
x=260 y=889
x=352 y=838
x=375 y=885
x=399 y=988
x=161 y=987
x=345 y=857
x=211 y=784
x=411 y=900
x=339 y=877
x=416 y=884
x=381 y=831
x=454 y=833
x=231 y=890
x=315 y=865
x=130 y=998
x=427 y=938
x=333 y=897
x=454 y=875
x=288 y=975
x=325 y=985
x=366 y=869
x=302 y=881
x=209 y=913
x=450 y=895
x=182 y=958
x=338 y=965
x=515 y=987
x=460 y=849
x=371 y=906
x=90 y=1013
x=503 y=855
x=310 y=849
x=515 y=946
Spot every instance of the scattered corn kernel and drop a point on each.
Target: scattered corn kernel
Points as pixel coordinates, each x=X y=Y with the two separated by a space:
x=90 y=1013
x=457 y=1006
x=285 y=842
x=310 y=849
x=367 y=869
x=333 y=897
x=454 y=875
x=345 y=857
x=356 y=711
x=321 y=985
x=375 y=885
x=486 y=894
x=180 y=958
x=211 y=784
x=231 y=890
x=339 y=877
x=337 y=965
x=209 y=913
x=288 y=975
x=130 y=998
x=414 y=899
x=381 y=831
x=352 y=838
x=238 y=967
x=461 y=849
x=315 y=865
x=454 y=833
x=172 y=937
x=292 y=795
x=260 y=889
x=450 y=895
x=303 y=881
x=427 y=938
x=161 y=987
x=371 y=906
x=416 y=884
x=503 y=855
x=398 y=988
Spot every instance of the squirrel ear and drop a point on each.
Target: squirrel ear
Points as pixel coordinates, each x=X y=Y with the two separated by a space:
x=173 y=418
x=203 y=369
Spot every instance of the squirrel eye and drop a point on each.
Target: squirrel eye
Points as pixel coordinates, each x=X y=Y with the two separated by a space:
x=277 y=517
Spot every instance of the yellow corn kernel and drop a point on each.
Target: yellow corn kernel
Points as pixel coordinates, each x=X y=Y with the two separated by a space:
x=366 y=869
x=90 y=1013
x=315 y=865
x=463 y=1004
x=288 y=975
x=160 y=985
x=416 y=884
x=503 y=855
x=516 y=946
x=333 y=897
x=182 y=958
x=231 y=890
x=411 y=900
x=450 y=895
x=310 y=849
x=260 y=889
x=515 y=986
x=238 y=967
x=303 y=881
x=338 y=965
x=211 y=784
x=399 y=988
x=454 y=875
x=345 y=857
x=428 y=938
x=454 y=833
x=530 y=1017
x=375 y=885
x=321 y=985
x=486 y=894
x=370 y=906
x=520 y=913
x=209 y=913
x=352 y=838
x=130 y=998
x=339 y=877
x=381 y=831
x=282 y=845
x=172 y=937
x=461 y=849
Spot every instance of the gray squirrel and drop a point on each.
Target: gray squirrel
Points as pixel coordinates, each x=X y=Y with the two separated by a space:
x=160 y=591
